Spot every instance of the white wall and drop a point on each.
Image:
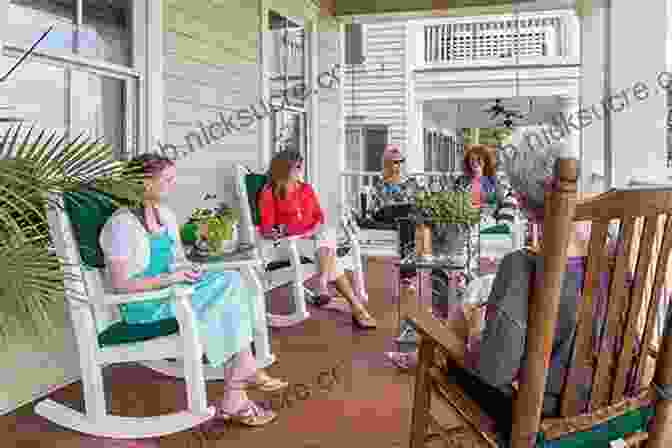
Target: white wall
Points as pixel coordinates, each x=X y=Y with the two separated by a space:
x=638 y=53
x=198 y=92
x=378 y=91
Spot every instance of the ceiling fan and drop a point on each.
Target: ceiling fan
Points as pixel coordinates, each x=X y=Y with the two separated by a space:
x=499 y=109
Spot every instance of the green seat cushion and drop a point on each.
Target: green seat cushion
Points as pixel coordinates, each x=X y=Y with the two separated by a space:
x=600 y=435
x=125 y=333
x=253 y=185
x=497 y=229
x=189 y=233
x=89 y=210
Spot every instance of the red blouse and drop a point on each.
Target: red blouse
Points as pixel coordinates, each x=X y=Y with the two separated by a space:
x=300 y=211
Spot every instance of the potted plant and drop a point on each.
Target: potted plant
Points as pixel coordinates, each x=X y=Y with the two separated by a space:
x=450 y=215
x=216 y=230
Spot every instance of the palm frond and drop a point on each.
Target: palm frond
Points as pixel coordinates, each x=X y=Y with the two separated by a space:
x=31 y=168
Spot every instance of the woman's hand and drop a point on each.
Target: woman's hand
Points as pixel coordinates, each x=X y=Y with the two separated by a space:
x=187 y=275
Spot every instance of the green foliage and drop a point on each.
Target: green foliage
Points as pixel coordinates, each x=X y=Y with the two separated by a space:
x=487 y=136
x=32 y=166
x=447 y=207
x=220 y=223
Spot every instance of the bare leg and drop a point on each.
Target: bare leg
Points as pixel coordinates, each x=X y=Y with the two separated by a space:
x=236 y=405
x=359 y=312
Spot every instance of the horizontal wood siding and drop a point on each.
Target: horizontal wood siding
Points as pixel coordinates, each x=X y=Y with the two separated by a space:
x=210 y=68
x=377 y=88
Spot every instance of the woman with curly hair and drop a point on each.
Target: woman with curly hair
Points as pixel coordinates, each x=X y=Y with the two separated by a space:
x=490 y=193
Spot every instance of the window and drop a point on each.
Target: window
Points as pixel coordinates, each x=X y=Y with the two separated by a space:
x=83 y=77
x=443 y=153
x=286 y=70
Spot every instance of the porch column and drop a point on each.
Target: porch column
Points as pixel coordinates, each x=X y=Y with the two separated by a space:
x=415 y=157
x=636 y=101
x=569 y=108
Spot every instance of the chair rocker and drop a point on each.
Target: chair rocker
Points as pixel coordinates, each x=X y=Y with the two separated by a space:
x=278 y=270
x=628 y=404
x=103 y=339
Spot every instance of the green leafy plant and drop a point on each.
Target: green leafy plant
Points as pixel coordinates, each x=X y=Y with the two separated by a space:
x=220 y=222
x=447 y=207
x=32 y=166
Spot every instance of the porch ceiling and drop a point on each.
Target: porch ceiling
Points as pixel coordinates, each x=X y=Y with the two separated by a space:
x=472 y=113
x=370 y=7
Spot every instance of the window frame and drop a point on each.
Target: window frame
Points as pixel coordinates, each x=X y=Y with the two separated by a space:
x=310 y=107
x=142 y=81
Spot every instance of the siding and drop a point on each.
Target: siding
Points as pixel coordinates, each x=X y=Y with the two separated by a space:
x=209 y=67
x=377 y=89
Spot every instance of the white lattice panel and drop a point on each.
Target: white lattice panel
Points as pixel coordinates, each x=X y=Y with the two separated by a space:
x=493 y=39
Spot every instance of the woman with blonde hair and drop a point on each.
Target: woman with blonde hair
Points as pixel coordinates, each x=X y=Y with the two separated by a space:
x=289 y=206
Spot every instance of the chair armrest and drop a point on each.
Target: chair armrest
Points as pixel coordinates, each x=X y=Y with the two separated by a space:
x=176 y=291
x=429 y=327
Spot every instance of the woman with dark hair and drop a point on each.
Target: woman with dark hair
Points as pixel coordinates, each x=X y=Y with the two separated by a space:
x=143 y=251
x=490 y=194
x=289 y=206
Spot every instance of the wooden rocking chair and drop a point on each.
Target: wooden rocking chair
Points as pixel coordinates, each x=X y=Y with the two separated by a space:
x=623 y=410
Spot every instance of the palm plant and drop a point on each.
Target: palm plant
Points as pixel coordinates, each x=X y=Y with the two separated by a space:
x=32 y=167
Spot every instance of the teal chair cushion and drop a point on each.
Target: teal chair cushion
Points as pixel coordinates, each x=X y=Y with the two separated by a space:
x=88 y=210
x=253 y=185
x=125 y=333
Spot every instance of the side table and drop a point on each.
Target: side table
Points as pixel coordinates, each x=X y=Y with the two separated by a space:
x=420 y=264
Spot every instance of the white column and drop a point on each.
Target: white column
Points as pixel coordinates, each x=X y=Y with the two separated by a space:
x=415 y=157
x=637 y=103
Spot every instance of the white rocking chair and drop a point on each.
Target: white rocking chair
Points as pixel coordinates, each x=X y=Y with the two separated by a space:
x=279 y=271
x=103 y=339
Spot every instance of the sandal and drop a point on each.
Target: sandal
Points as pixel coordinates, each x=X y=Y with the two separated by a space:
x=363 y=320
x=268 y=384
x=250 y=415
x=404 y=361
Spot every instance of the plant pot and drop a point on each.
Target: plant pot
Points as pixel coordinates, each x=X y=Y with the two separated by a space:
x=229 y=245
x=450 y=241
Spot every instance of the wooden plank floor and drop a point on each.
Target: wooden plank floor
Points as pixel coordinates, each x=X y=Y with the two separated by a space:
x=356 y=397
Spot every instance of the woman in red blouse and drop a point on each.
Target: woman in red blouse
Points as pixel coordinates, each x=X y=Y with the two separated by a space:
x=289 y=206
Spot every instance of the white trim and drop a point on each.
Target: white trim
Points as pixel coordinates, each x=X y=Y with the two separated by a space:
x=311 y=42
x=263 y=125
x=98 y=67
x=154 y=91
x=564 y=13
x=341 y=116
x=41 y=393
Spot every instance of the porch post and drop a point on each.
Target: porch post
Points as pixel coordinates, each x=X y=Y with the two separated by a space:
x=570 y=107
x=415 y=155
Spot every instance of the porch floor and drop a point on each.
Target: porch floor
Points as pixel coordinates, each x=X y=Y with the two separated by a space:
x=368 y=405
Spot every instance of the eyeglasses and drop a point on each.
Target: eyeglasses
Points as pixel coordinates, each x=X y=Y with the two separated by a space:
x=397 y=162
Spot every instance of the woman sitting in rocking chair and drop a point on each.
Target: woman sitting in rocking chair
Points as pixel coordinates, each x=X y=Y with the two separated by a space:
x=289 y=206
x=142 y=247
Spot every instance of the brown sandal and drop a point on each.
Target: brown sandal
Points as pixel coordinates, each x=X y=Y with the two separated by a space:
x=250 y=415
x=363 y=320
x=268 y=384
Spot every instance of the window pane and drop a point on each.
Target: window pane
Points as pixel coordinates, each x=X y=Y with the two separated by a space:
x=28 y=19
x=38 y=94
x=106 y=31
x=98 y=109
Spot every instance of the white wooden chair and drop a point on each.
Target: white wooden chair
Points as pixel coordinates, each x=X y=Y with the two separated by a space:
x=103 y=339
x=280 y=271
